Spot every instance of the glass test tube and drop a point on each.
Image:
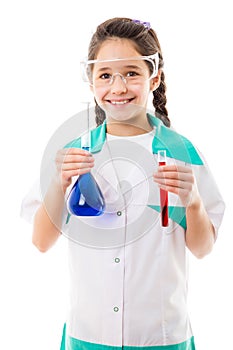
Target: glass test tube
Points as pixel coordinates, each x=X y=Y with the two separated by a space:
x=162 y=160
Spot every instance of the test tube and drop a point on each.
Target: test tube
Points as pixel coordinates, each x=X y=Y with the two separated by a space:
x=162 y=160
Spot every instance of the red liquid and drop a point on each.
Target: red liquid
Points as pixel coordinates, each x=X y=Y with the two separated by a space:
x=164 y=204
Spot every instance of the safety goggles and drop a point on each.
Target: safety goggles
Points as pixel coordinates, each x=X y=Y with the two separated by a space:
x=133 y=70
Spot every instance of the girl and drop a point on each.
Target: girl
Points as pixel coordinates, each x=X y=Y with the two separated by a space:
x=129 y=272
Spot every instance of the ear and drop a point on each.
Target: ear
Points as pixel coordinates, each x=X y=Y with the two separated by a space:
x=91 y=88
x=155 y=82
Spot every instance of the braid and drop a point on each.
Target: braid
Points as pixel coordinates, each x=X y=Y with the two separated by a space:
x=159 y=102
x=100 y=115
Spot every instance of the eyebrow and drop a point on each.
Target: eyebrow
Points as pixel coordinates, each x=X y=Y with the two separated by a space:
x=129 y=66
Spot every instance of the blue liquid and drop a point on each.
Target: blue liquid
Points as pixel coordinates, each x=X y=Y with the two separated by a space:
x=85 y=198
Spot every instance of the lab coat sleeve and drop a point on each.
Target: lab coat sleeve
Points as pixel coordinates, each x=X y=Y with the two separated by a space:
x=31 y=202
x=210 y=194
x=34 y=198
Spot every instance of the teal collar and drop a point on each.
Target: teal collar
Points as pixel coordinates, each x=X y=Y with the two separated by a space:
x=176 y=145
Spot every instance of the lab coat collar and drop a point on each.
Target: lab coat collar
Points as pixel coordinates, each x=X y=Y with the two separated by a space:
x=176 y=145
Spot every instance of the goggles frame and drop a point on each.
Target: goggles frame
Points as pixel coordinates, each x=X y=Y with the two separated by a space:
x=152 y=59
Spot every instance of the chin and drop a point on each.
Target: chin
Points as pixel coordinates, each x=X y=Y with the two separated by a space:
x=123 y=113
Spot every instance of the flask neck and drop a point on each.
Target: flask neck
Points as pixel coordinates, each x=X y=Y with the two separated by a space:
x=85 y=141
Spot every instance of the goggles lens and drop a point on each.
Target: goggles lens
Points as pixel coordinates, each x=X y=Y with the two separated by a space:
x=131 y=70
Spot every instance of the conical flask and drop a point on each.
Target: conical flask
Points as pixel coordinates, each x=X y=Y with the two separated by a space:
x=85 y=197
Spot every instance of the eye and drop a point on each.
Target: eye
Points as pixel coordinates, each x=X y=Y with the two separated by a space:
x=132 y=74
x=105 y=76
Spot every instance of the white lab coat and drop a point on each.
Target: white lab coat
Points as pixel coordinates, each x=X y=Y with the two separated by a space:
x=129 y=275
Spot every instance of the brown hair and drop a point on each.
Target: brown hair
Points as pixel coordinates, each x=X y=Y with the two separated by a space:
x=146 y=42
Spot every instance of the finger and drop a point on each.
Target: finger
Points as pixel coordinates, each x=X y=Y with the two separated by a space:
x=75 y=151
x=174 y=168
x=67 y=161
x=168 y=184
x=76 y=166
x=77 y=159
x=186 y=177
x=63 y=153
x=181 y=192
x=67 y=175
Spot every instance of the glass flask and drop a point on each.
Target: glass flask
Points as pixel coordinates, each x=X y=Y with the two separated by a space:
x=85 y=197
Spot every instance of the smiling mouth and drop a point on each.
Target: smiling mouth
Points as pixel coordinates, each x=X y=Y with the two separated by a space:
x=120 y=102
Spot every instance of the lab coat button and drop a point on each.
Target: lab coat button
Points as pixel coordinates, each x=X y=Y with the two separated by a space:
x=117 y=260
x=119 y=213
x=116 y=309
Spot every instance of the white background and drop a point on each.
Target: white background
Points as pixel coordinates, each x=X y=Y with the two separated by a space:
x=41 y=45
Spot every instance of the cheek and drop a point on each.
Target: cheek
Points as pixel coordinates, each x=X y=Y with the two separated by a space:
x=99 y=93
x=142 y=91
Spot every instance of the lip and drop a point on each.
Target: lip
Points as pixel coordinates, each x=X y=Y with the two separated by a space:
x=120 y=102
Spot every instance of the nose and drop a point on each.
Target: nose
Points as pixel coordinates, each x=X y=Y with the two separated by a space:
x=118 y=84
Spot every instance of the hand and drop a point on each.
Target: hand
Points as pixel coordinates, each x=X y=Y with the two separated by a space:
x=179 y=180
x=72 y=162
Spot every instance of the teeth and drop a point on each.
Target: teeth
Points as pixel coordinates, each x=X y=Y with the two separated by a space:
x=119 y=102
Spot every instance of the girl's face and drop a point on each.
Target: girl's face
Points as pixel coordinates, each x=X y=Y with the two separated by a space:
x=121 y=88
